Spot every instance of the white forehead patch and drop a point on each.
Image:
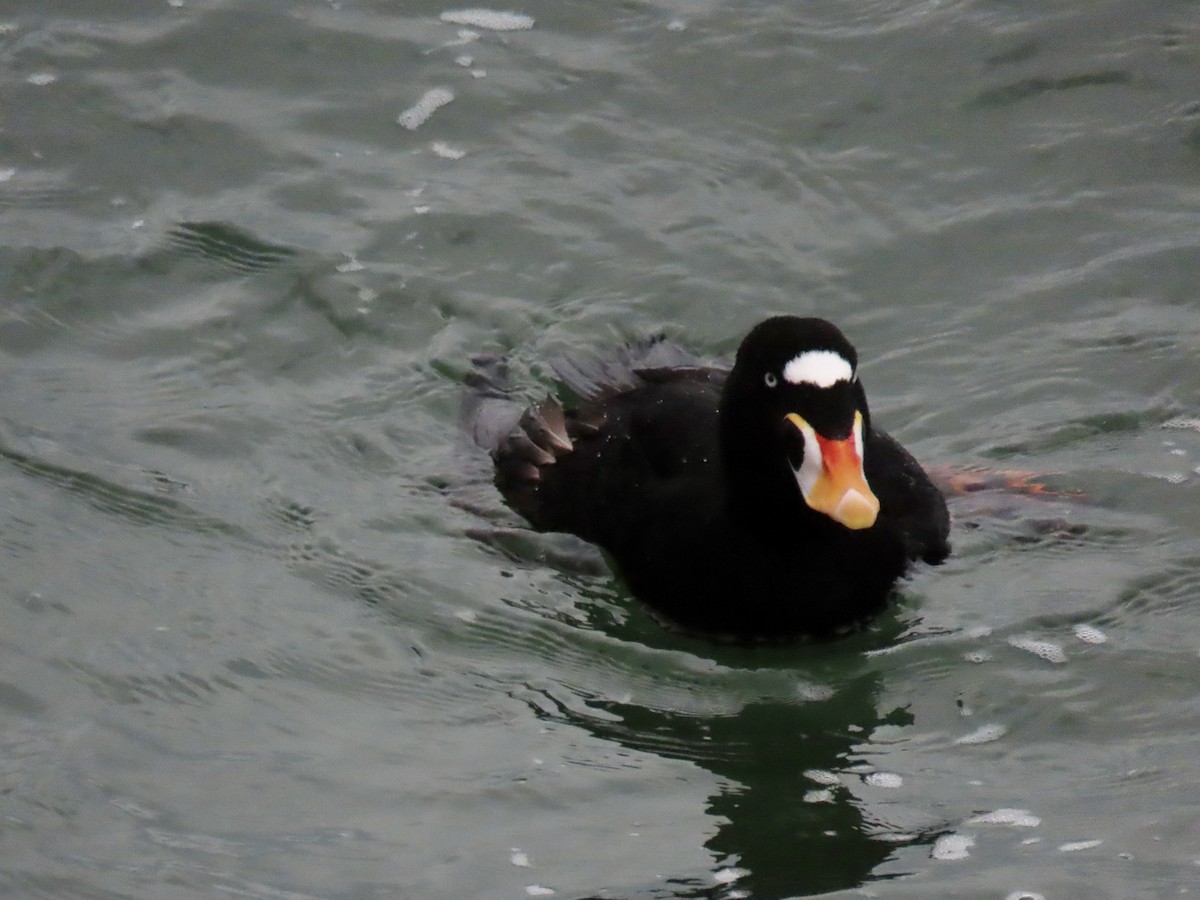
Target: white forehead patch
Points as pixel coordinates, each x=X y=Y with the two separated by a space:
x=822 y=368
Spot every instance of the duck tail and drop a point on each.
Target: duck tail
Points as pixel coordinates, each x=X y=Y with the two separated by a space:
x=522 y=440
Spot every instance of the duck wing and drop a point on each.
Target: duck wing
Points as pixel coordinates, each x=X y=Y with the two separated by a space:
x=592 y=377
x=612 y=463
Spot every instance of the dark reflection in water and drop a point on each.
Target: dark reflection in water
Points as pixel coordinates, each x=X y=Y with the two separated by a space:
x=773 y=833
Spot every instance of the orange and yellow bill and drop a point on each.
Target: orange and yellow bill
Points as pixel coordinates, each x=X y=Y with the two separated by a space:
x=831 y=476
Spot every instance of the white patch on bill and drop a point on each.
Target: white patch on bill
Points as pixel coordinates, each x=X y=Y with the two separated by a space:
x=822 y=368
x=812 y=465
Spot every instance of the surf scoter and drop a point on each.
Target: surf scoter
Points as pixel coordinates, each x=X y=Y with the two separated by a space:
x=759 y=502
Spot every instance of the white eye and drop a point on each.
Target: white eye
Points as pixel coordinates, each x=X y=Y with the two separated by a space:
x=770 y=379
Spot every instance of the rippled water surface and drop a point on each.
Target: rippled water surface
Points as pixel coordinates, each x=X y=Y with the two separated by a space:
x=269 y=632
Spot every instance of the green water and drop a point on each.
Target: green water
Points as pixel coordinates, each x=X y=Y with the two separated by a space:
x=269 y=632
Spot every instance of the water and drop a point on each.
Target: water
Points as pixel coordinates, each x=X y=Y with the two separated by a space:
x=267 y=632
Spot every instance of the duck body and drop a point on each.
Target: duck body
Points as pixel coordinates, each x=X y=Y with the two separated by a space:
x=698 y=484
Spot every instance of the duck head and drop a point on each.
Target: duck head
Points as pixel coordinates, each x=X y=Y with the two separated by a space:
x=794 y=421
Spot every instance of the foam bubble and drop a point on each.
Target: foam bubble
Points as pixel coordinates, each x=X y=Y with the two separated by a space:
x=1090 y=634
x=491 y=19
x=1047 y=650
x=1076 y=846
x=351 y=264
x=952 y=846
x=536 y=890
x=1020 y=818
x=984 y=734
x=1168 y=477
x=729 y=875
x=465 y=36
x=822 y=776
x=445 y=151
x=519 y=857
x=418 y=114
x=1183 y=422
x=884 y=780
x=1025 y=895
x=815 y=692
x=896 y=837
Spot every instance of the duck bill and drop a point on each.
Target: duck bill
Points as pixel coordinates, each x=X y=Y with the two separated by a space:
x=831 y=476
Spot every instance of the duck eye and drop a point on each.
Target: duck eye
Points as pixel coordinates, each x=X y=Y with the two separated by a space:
x=771 y=379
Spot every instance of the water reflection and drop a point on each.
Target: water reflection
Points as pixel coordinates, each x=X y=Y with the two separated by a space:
x=787 y=822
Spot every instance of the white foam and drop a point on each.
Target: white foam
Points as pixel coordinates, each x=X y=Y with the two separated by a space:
x=1076 y=846
x=519 y=857
x=729 y=875
x=1183 y=422
x=465 y=36
x=445 y=151
x=984 y=734
x=815 y=692
x=491 y=19
x=952 y=846
x=821 y=796
x=1168 y=477
x=822 y=776
x=822 y=368
x=1019 y=818
x=895 y=837
x=40 y=79
x=884 y=780
x=1090 y=634
x=1025 y=895
x=351 y=264
x=418 y=114
x=536 y=890
x=1047 y=650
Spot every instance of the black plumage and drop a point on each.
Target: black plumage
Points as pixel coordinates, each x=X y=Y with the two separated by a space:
x=732 y=502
